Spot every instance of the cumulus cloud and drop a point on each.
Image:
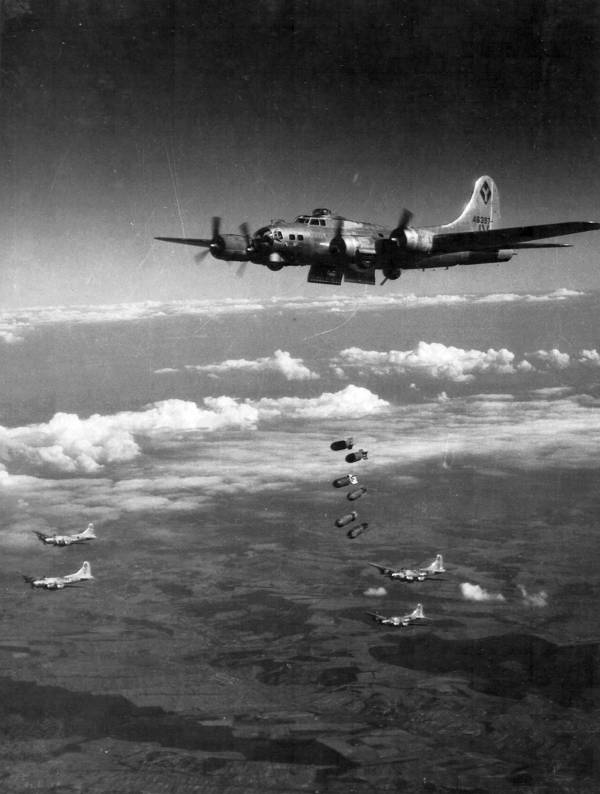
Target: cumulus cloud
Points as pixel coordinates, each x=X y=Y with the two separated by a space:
x=551 y=359
x=434 y=360
x=441 y=362
x=534 y=599
x=351 y=402
x=590 y=358
x=73 y=445
x=375 y=592
x=473 y=592
x=281 y=361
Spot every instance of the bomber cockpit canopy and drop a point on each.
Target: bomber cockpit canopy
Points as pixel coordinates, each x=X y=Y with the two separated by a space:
x=316 y=218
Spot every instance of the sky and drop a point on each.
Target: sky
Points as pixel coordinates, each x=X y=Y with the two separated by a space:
x=125 y=120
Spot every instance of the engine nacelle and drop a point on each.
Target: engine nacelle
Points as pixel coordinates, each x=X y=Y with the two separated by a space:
x=358 y=252
x=419 y=240
x=230 y=247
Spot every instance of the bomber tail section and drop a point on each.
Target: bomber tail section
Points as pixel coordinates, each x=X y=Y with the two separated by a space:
x=89 y=532
x=481 y=213
x=417 y=613
x=437 y=566
x=85 y=572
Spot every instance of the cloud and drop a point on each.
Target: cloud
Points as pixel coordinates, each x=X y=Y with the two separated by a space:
x=534 y=599
x=438 y=361
x=72 y=445
x=375 y=592
x=33 y=317
x=12 y=335
x=589 y=358
x=473 y=592
x=433 y=360
x=281 y=361
x=351 y=403
x=551 y=359
x=165 y=371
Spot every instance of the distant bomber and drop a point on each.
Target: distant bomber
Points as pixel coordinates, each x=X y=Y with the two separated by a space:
x=415 y=617
x=410 y=574
x=336 y=248
x=84 y=574
x=68 y=540
x=347 y=443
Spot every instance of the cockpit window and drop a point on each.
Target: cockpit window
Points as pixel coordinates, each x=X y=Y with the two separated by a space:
x=277 y=235
x=301 y=219
x=314 y=221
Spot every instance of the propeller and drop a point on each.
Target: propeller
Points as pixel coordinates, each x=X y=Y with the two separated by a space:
x=398 y=233
x=245 y=231
x=217 y=243
x=199 y=258
x=403 y=224
x=337 y=246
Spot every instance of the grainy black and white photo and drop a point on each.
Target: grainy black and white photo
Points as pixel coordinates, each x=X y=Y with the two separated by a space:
x=299 y=396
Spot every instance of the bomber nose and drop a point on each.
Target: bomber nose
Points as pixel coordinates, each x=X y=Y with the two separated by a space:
x=260 y=244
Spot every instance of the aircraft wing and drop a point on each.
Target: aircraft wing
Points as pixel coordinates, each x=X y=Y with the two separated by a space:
x=186 y=241
x=381 y=568
x=511 y=237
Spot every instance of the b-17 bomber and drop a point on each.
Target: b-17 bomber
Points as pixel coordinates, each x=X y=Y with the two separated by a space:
x=68 y=540
x=84 y=574
x=413 y=574
x=336 y=248
x=416 y=617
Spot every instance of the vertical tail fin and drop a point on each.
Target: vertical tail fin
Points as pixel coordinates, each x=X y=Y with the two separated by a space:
x=437 y=566
x=481 y=213
x=89 y=531
x=85 y=572
x=418 y=612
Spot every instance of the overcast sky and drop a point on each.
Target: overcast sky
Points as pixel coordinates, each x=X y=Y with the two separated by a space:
x=127 y=119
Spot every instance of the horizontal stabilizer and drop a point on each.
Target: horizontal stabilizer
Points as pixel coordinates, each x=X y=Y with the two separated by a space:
x=185 y=241
x=506 y=238
x=354 y=277
x=324 y=274
x=541 y=245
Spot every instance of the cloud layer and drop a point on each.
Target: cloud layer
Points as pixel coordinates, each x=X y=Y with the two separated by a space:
x=15 y=324
x=73 y=445
x=437 y=361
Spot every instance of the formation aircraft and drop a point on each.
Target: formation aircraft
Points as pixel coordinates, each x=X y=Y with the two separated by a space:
x=414 y=617
x=413 y=574
x=67 y=540
x=84 y=574
x=336 y=248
